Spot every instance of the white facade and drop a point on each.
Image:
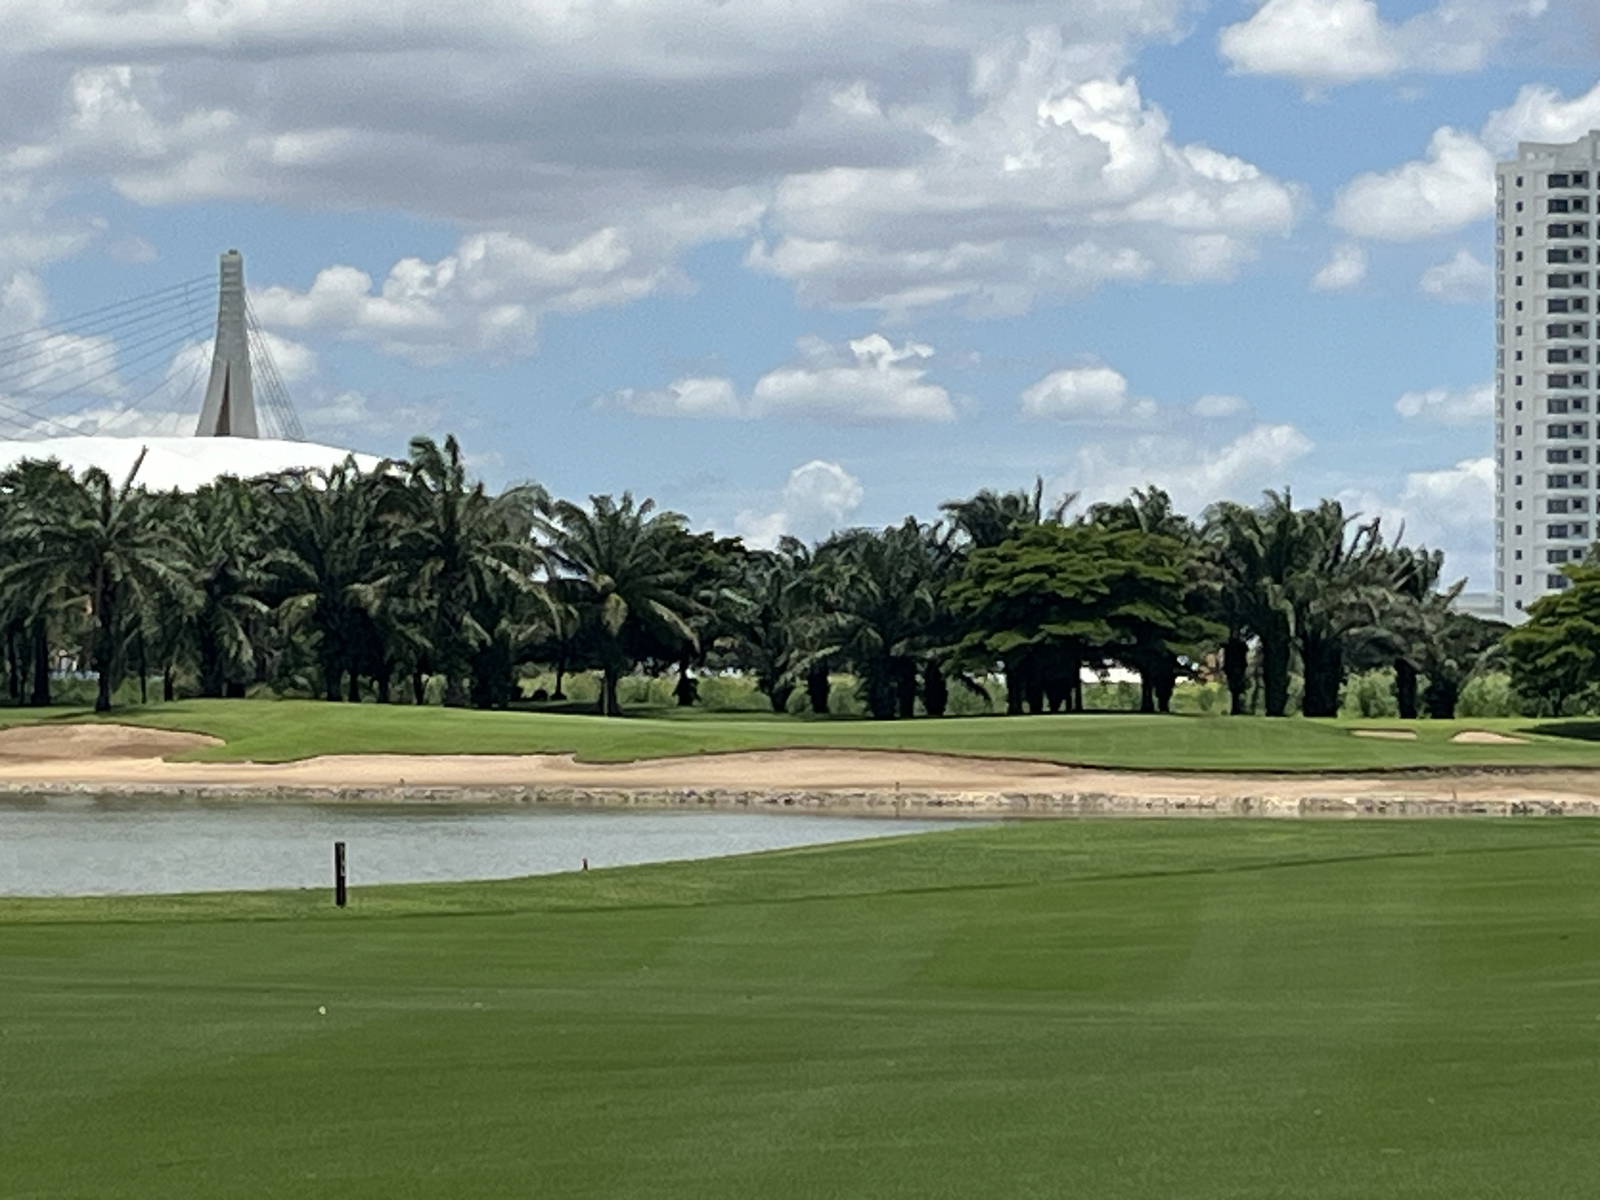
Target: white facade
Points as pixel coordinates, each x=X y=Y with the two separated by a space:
x=181 y=463
x=1546 y=433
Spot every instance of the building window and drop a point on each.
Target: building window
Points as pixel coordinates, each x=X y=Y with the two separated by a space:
x=1557 y=581
x=1556 y=557
x=1555 y=356
x=1555 y=456
x=1556 y=381
x=1557 y=431
x=1558 y=180
x=1557 y=531
x=1556 y=505
x=1555 y=481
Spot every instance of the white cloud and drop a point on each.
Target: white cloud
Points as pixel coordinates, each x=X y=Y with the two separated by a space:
x=1449 y=509
x=1452 y=187
x=1539 y=114
x=1098 y=394
x=488 y=296
x=980 y=154
x=1346 y=268
x=1324 y=43
x=1462 y=279
x=1216 y=407
x=1444 y=406
x=691 y=397
x=1194 y=474
x=818 y=498
x=351 y=414
x=868 y=381
x=1057 y=179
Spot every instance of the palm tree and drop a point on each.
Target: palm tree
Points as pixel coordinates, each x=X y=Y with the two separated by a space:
x=988 y=518
x=615 y=568
x=879 y=616
x=1338 y=579
x=36 y=602
x=332 y=533
x=100 y=540
x=218 y=533
x=1252 y=552
x=471 y=557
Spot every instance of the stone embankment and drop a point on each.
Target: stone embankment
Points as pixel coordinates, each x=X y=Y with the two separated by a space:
x=1251 y=800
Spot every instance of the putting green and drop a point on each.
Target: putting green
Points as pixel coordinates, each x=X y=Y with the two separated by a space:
x=1106 y=1009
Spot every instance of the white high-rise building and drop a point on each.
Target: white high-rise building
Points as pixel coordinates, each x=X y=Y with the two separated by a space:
x=1545 y=431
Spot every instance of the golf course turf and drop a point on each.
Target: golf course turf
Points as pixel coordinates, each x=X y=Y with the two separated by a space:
x=283 y=730
x=1099 y=1009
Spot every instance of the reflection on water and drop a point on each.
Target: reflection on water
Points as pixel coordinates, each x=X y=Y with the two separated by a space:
x=62 y=846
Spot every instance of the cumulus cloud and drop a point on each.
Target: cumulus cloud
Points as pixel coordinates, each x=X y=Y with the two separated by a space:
x=691 y=397
x=1462 y=279
x=488 y=296
x=1346 y=268
x=817 y=498
x=868 y=381
x=1446 y=406
x=1452 y=187
x=1325 y=43
x=1090 y=394
x=1448 y=508
x=1194 y=474
x=963 y=153
x=1453 y=184
x=1217 y=407
x=1058 y=181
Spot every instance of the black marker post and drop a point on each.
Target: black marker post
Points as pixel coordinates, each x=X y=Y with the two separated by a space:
x=339 y=890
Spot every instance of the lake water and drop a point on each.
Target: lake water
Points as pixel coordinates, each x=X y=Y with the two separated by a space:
x=69 y=846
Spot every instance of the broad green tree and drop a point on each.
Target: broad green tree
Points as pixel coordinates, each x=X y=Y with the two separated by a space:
x=1555 y=655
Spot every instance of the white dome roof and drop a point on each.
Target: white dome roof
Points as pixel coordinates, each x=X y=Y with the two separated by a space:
x=185 y=463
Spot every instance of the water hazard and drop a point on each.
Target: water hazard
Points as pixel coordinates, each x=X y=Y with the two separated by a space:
x=63 y=846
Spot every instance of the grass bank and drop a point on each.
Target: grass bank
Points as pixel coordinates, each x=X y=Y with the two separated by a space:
x=1126 y=1009
x=282 y=730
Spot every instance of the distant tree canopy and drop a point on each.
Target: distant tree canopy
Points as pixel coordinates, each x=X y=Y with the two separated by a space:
x=412 y=581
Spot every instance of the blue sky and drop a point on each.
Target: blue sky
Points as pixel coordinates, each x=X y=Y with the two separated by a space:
x=785 y=274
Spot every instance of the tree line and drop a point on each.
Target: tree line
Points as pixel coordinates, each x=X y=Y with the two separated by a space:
x=360 y=584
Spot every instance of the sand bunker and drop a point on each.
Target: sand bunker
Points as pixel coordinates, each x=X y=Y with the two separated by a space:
x=1483 y=737
x=85 y=743
x=1391 y=735
x=114 y=758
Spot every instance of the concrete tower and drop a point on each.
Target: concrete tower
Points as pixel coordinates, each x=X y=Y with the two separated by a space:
x=230 y=407
x=1545 y=424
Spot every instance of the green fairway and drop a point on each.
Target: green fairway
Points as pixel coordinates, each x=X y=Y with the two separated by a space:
x=1099 y=1009
x=279 y=730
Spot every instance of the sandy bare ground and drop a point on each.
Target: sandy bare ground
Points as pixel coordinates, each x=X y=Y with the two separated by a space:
x=103 y=756
x=1486 y=737
x=1390 y=735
